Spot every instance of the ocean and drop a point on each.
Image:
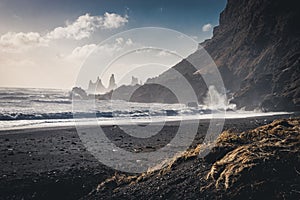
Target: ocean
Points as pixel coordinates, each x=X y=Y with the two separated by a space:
x=22 y=108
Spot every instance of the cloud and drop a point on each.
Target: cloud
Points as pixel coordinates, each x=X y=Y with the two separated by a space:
x=118 y=45
x=119 y=41
x=81 y=52
x=206 y=27
x=165 y=53
x=112 y=20
x=86 y=24
x=129 y=42
x=12 y=42
x=81 y=28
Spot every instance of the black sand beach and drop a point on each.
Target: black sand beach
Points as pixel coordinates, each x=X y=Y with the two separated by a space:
x=52 y=163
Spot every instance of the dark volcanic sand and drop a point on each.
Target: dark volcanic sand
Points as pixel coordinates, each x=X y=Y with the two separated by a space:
x=52 y=163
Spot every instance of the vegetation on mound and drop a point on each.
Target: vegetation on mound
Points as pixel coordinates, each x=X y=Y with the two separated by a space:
x=264 y=161
x=260 y=163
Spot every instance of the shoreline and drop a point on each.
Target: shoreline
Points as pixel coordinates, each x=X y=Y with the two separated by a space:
x=86 y=122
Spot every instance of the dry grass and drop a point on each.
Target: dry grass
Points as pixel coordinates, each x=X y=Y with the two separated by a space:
x=266 y=154
x=243 y=163
x=116 y=181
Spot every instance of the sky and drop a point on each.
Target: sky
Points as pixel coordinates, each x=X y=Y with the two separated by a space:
x=43 y=44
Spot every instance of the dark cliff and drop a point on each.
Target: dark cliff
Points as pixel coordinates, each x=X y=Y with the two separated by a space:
x=257 y=44
x=256 y=48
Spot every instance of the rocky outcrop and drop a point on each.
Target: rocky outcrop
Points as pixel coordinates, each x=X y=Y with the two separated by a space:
x=99 y=88
x=112 y=83
x=147 y=93
x=258 y=42
x=178 y=76
x=134 y=81
x=96 y=87
x=257 y=50
x=78 y=93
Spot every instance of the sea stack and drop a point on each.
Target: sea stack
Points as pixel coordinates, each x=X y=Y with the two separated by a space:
x=134 y=81
x=91 y=86
x=99 y=86
x=112 y=83
x=96 y=87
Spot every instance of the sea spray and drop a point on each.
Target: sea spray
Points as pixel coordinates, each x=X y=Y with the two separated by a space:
x=217 y=101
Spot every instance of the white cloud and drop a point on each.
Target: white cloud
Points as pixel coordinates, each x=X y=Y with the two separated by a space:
x=81 y=52
x=129 y=42
x=118 y=45
x=165 y=53
x=86 y=24
x=112 y=20
x=120 y=41
x=12 y=42
x=206 y=27
x=81 y=28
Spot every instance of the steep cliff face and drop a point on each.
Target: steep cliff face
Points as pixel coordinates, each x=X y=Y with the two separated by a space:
x=256 y=48
x=257 y=44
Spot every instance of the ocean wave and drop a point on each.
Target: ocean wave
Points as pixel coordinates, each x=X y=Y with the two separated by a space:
x=52 y=101
x=14 y=98
x=98 y=114
x=22 y=116
x=46 y=95
x=12 y=93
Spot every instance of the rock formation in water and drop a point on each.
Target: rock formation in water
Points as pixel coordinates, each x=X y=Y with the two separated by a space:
x=134 y=81
x=112 y=83
x=78 y=93
x=96 y=87
x=257 y=50
x=99 y=88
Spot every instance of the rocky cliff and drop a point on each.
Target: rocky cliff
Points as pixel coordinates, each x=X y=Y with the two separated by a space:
x=257 y=44
x=256 y=48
